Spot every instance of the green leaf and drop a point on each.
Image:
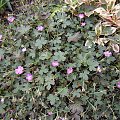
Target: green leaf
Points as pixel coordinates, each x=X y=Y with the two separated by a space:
x=45 y=55
x=117 y=107
x=59 y=56
x=36 y=33
x=18 y=87
x=76 y=93
x=110 y=59
x=66 y=23
x=9 y=5
x=88 y=43
x=49 y=80
x=92 y=64
x=32 y=54
x=2 y=106
x=55 y=10
x=84 y=75
x=40 y=42
x=74 y=38
x=23 y=29
x=52 y=99
x=57 y=41
x=43 y=69
x=63 y=91
x=1 y=52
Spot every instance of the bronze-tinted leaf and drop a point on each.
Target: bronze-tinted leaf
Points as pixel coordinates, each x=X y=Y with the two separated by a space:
x=42 y=15
x=76 y=107
x=74 y=38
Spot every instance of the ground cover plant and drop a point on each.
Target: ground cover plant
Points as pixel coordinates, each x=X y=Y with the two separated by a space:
x=60 y=60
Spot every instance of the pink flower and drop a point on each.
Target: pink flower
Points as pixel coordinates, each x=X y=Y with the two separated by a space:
x=23 y=49
x=12 y=119
x=50 y=113
x=2 y=100
x=69 y=70
x=83 y=24
x=32 y=3
x=29 y=77
x=118 y=84
x=10 y=19
x=99 y=69
x=0 y=37
x=55 y=63
x=81 y=15
x=19 y=70
x=62 y=118
x=107 y=54
x=40 y=28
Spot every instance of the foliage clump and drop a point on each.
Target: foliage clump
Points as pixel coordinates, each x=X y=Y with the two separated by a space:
x=60 y=62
